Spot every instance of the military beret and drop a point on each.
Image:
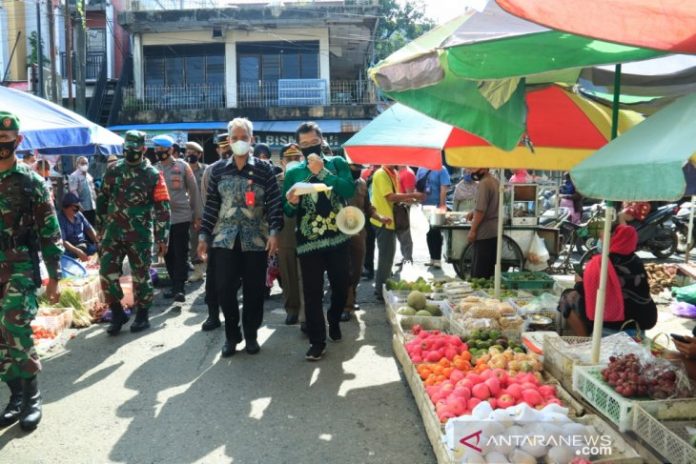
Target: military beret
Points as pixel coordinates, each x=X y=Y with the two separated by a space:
x=8 y=121
x=134 y=139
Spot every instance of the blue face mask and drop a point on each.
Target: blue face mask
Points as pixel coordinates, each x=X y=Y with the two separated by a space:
x=468 y=178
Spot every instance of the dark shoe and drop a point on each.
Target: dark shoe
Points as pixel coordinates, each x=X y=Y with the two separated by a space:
x=291 y=319
x=335 y=333
x=31 y=404
x=356 y=307
x=211 y=324
x=14 y=407
x=345 y=316
x=229 y=349
x=180 y=297
x=315 y=352
x=141 y=322
x=169 y=294
x=118 y=318
x=367 y=275
x=379 y=297
x=252 y=347
x=303 y=328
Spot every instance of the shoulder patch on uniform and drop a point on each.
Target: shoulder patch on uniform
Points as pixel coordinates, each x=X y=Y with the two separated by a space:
x=161 y=192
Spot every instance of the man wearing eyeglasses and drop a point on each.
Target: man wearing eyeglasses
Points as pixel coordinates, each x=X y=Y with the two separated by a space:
x=79 y=238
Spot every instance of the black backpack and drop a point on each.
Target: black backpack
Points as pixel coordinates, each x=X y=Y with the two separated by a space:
x=422 y=183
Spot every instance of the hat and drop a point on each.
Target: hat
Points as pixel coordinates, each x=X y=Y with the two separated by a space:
x=350 y=220
x=290 y=149
x=221 y=140
x=134 y=139
x=8 y=121
x=262 y=149
x=194 y=146
x=70 y=199
x=163 y=141
x=112 y=158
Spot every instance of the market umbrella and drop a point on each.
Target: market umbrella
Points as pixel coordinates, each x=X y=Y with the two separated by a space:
x=649 y=162
x=471 y=71
x=668 y=25
x=563 y=129
x=53 y=130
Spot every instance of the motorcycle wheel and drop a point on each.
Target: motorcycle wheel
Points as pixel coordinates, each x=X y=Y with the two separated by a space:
x=670 y=249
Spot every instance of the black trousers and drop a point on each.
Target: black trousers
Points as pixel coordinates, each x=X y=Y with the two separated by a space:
x=434 y=239
x=176 y=258
x=211 y=298
x=235 y=268
x=91 y=216
x=335 y=261
x=370 y=241
x=483 y=260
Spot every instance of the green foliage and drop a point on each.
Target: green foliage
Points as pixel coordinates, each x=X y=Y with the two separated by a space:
x=398 y=25
x=34 y=56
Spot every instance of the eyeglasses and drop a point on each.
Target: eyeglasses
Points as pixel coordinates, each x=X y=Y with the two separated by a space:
x=311 y=143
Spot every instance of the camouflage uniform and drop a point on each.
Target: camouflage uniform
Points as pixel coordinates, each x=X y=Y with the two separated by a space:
x=133 y=198
x=25 y=209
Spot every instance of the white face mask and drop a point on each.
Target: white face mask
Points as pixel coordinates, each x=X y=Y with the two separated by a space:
x=84 y=167
x=291 y=165
x=240 y=148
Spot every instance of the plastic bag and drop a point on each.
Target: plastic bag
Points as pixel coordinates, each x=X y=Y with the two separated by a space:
x=683 y=309
x=538 y=256
x=686 y=294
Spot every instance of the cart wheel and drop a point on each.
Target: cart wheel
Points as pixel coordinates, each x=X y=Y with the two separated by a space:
x=513 y=259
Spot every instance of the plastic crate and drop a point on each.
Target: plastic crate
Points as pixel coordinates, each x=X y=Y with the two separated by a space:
x=587 y=381
x=556 y=360
x=533 y=280
x=661 y=424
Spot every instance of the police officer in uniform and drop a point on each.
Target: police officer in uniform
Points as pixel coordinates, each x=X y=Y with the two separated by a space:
x=28 y=224
x=133 y=199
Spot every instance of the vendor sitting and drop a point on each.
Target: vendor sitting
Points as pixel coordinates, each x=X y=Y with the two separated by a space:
x=79 y=239
x=628 y=292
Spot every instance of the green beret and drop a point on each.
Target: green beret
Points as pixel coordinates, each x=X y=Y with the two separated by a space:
x=8 y=121
x=134 y=139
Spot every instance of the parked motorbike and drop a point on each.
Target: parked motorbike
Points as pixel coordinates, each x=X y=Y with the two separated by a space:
x=681 y=224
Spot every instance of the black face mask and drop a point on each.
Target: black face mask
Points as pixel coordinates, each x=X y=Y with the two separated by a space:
x=478 y=175
x=162 y=155
x=316 y=149
x=7 y=149
x=192 y=159
x=355 y=174
x=133 y=156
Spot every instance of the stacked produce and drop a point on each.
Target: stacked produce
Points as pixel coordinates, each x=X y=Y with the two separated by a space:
x=660 y=276
x=630 y=377
x=476 y=314
x=417 y=305
x=420 y=284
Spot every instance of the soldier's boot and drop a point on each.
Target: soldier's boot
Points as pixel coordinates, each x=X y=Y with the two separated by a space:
x=141 y=322
x=198 y=272
x=213 y=321
x=118 y=318
x=31 y=404
x=14 y=407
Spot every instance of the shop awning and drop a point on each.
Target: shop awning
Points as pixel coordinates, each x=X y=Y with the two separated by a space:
x=331 y=126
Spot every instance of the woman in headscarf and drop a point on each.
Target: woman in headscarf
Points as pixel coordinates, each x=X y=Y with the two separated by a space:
x=465 y=193
x=628 y=291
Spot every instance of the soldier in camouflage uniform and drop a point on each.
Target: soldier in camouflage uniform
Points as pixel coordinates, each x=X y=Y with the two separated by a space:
x=28 y=224
x=133 y=196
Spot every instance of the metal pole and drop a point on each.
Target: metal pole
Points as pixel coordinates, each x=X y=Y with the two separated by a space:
x=615 y=103
x=499 y=244
x=68 y=55
x=52 y=53
x=602 y=292
x=689 y=239
x=81 y=55
x=39 y=51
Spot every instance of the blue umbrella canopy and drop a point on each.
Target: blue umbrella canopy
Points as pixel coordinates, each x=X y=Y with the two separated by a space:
x=53 y=130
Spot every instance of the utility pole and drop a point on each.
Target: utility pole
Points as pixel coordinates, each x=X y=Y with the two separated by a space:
x=39 y=51
x=52 y=52
x=68 y=54
x=81 y=56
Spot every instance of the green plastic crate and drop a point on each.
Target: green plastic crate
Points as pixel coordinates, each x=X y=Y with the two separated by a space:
x=533 y=280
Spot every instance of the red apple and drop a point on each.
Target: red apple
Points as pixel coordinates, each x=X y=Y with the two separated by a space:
x=505 y=401
x=481 y=391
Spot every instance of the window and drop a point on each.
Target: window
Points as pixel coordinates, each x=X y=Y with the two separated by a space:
x=270 y=61
x=184 y=65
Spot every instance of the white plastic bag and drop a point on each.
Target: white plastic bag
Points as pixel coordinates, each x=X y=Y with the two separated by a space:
x=538 y=256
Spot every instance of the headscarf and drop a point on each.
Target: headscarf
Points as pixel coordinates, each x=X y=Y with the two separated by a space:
x=623 y=242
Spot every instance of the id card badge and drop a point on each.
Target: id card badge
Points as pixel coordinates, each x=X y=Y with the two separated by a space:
x=250 y=198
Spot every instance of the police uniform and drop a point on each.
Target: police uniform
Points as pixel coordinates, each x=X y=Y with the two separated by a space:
x=133 y=200
x=28 y=224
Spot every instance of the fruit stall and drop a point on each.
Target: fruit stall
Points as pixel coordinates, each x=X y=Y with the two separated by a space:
x=496 y=383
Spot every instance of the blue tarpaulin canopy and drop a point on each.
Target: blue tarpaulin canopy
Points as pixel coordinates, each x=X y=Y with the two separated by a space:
x=53 y=130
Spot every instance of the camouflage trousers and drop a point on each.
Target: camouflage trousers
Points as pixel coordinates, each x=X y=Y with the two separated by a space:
x=18 y=307
x=111 y=264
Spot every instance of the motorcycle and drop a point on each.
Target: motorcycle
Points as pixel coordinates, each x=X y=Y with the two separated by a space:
x=681 y=223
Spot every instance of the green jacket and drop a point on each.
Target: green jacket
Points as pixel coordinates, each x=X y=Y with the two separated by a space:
x=133 y=200
x=316 y=228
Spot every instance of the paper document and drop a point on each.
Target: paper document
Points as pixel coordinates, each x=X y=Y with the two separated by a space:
x=304 y=188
